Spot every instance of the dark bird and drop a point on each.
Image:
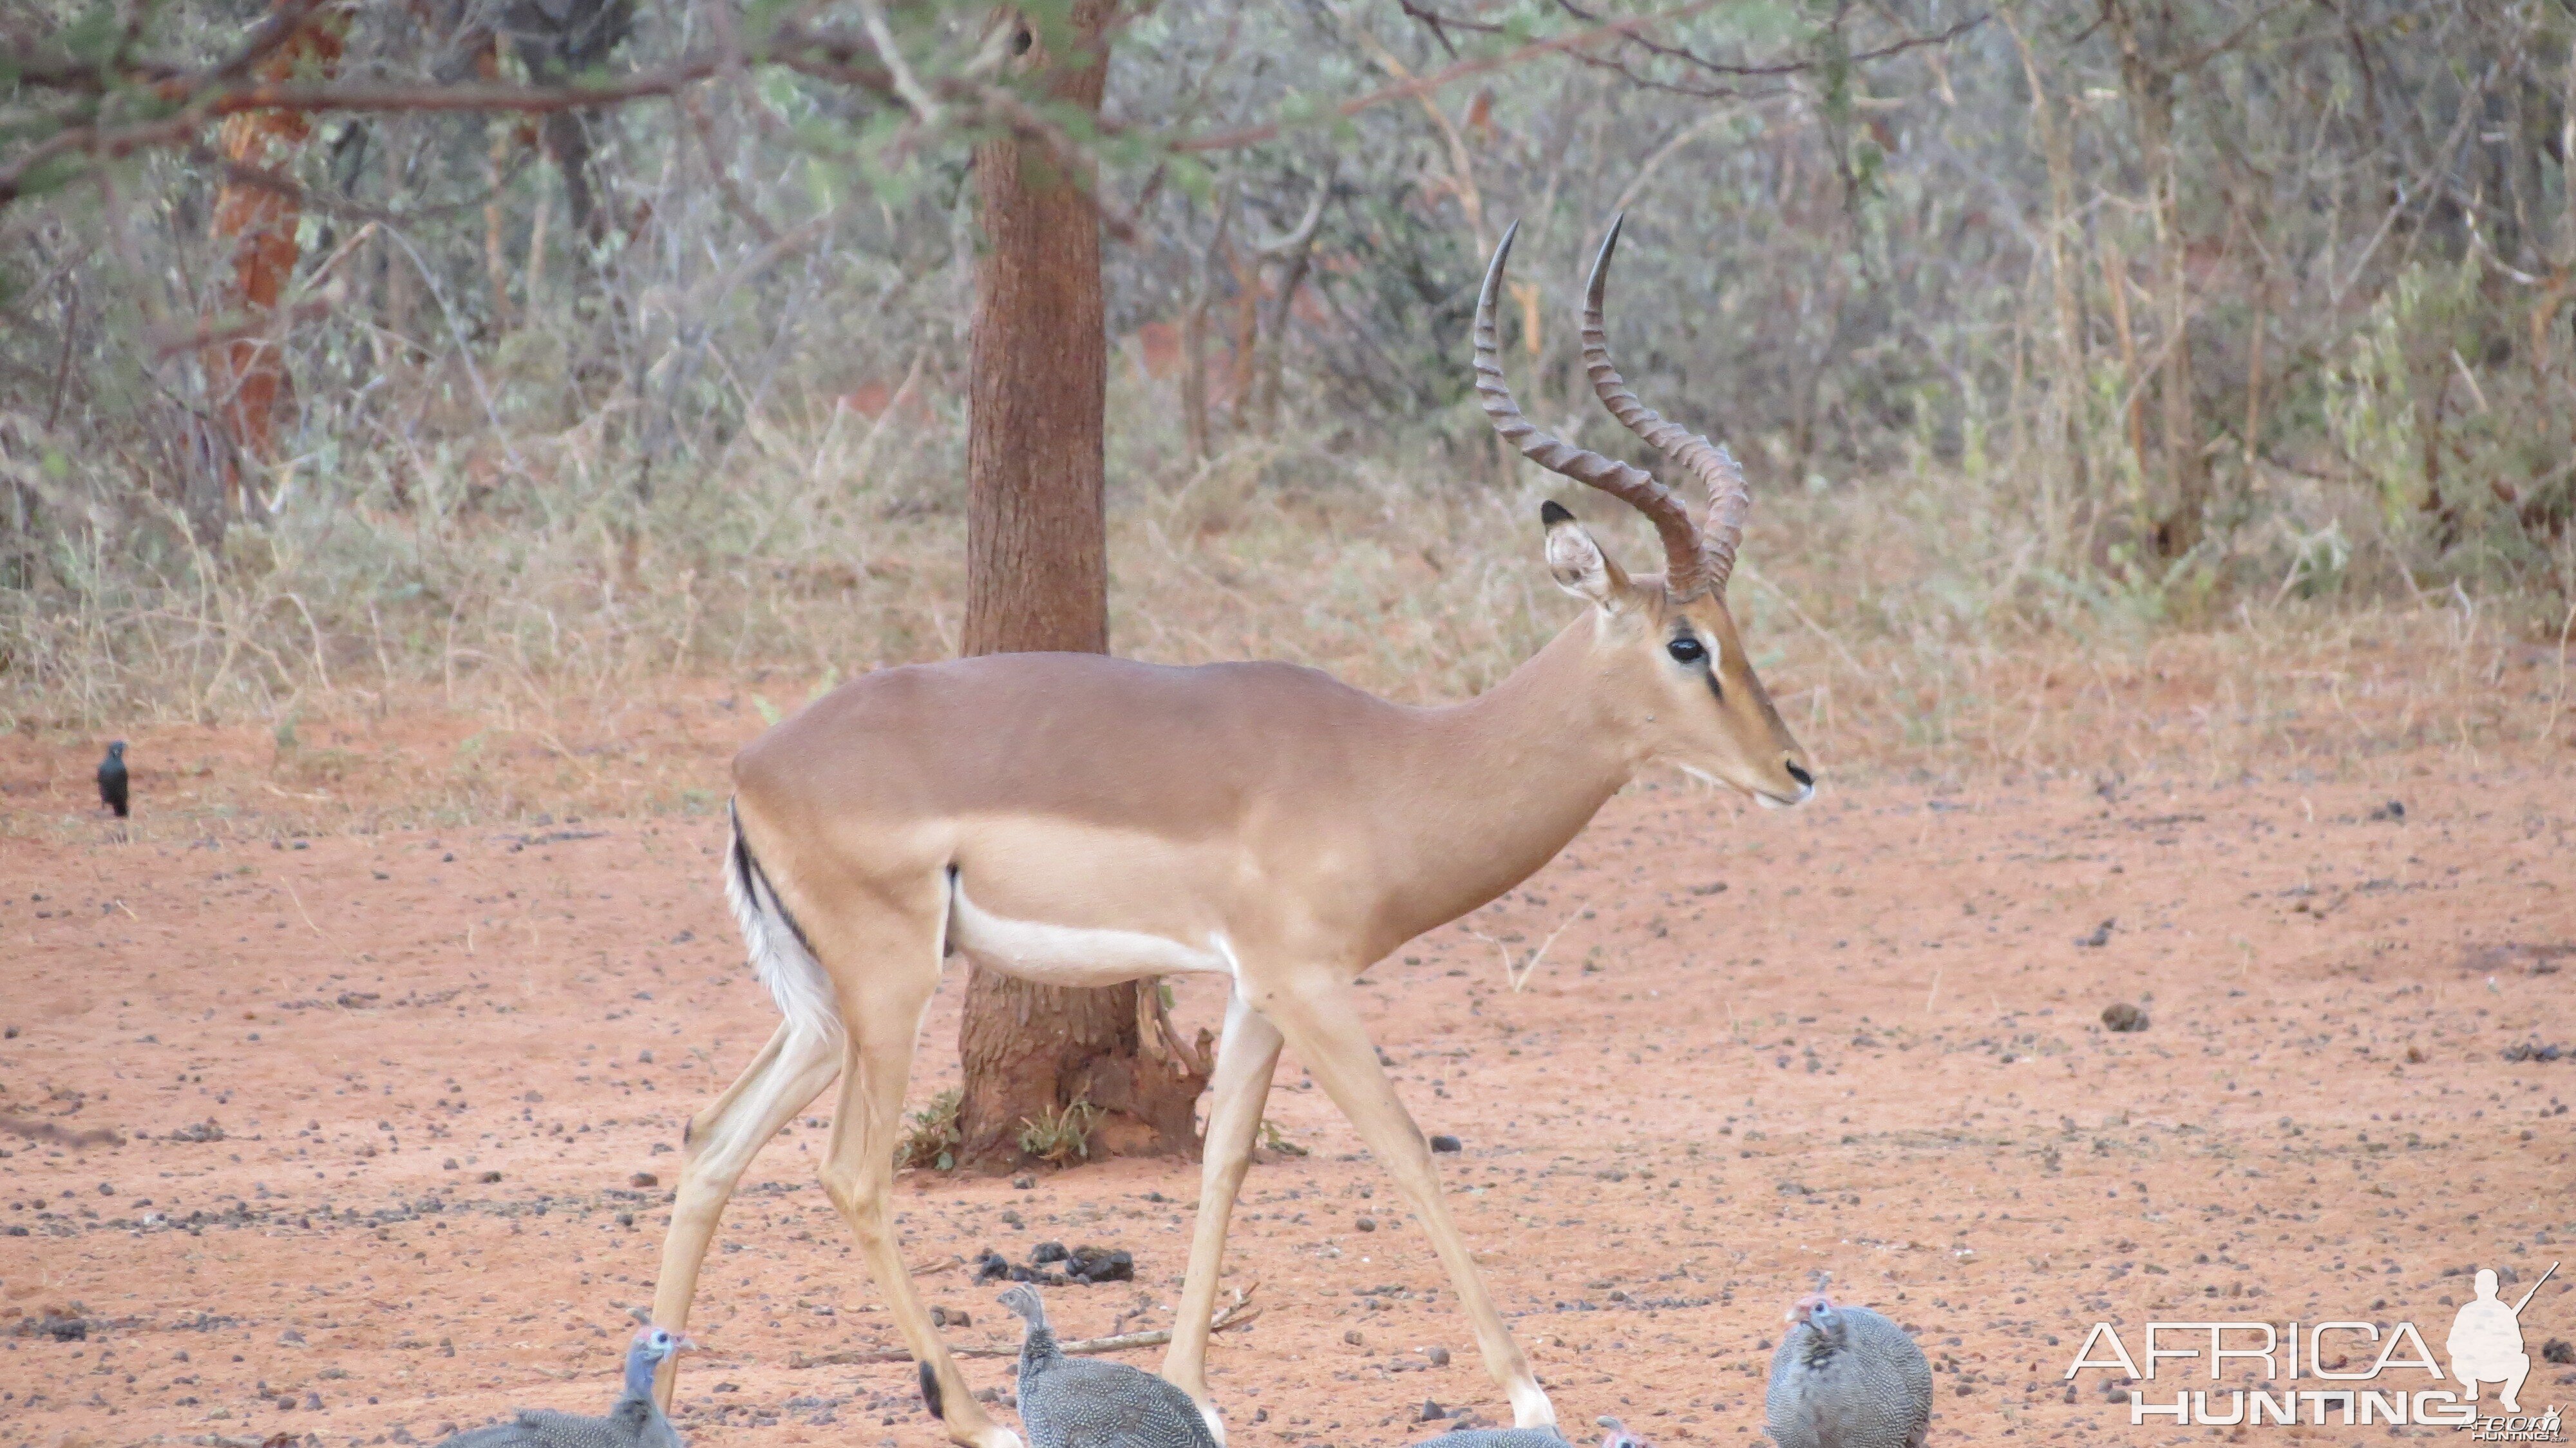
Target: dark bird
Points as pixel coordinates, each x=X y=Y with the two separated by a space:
x=111 y=779
x=1845 y=1377
x=1081 y=1403
x=635 y=1422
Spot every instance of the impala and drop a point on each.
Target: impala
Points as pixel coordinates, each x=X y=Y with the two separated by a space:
x=1081 y=820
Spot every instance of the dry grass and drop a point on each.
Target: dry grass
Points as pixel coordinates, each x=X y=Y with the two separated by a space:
x=538 y=644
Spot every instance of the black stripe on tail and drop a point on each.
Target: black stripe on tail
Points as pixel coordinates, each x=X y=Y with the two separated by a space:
x=755 y=881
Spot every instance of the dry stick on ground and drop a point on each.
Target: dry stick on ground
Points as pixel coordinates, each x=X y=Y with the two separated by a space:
x=49 y=1133
x=1236 y=1314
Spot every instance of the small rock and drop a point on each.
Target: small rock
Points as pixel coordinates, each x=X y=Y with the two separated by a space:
x=1431 y=1412
x=1024 y=1183
x=950 y=1317
x=2122 y=1016
x=643 y=1179
x=1439 y=1357
x=1446 y=1143
x=1353 y=1338
x=1045 y=1252
x=2558 y=1351
x=290 y=1338
x=489 y=1176
x=2393 y=812
x=1366 y=1224
x=2100 y=937
x=1099 y=1264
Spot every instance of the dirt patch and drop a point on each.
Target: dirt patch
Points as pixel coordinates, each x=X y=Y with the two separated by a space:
x=400 y=1110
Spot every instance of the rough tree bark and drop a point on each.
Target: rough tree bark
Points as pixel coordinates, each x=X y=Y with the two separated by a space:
x=247 y=375
x=1037 y=578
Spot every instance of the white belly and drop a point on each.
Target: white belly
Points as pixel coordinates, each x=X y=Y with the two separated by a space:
x=1050 y=954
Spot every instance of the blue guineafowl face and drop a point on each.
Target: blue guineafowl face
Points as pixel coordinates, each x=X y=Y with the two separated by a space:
x=1619 y=1436
x=657 y=1343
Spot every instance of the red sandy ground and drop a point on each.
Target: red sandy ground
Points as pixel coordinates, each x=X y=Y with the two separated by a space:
x=1859 y=1039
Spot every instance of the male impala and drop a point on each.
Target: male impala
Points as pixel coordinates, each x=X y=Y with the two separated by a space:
x=1082 y=820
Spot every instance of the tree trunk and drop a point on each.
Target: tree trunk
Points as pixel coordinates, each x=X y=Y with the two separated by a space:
x=1037 y=578
x=247 y=375
x=2150 y=85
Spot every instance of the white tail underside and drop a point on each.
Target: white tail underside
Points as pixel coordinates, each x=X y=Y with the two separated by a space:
x=795 y=978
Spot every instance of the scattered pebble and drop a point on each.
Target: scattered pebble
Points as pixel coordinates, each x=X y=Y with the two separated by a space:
x=2122 y=1016
x=1446 y=1143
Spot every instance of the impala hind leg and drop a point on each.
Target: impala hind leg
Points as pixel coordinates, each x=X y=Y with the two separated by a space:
x=858 y=1173
x=1322 y=1024
x=719 y=1142
x=1244 y=1061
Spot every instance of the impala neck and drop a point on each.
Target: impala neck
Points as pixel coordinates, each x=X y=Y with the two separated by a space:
x=1512 y=776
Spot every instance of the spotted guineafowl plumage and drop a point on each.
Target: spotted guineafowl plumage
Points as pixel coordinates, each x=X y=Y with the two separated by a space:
x=635 y=1422
x=1845 y=1377
x=1617 y=1437
x=1083 y=1403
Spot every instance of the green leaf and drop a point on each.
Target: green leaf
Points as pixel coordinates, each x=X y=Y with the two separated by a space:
x=768 y=712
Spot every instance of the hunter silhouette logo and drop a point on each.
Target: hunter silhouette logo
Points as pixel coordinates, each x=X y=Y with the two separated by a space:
x=2360 y=1371
x=2486 y=1341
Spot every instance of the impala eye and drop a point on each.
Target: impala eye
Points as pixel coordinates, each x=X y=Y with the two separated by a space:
x=1686 y=650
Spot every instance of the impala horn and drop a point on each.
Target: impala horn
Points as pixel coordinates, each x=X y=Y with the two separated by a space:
x=1686 y=560
x=1713 y=465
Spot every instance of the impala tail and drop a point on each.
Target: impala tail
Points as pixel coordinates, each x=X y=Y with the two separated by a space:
x=780 y=954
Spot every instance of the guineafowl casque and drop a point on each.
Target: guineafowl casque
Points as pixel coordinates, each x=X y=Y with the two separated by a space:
x=1617 y=1437
x=1845 y=1377
x=1081 y=1403
x=635 y=1422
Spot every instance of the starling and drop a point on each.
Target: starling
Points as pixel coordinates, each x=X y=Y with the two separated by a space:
x=111 y=779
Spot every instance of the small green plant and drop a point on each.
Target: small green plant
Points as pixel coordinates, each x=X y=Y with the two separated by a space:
x=931 y=1138
x=1059 y=1135
x=1275 y=1138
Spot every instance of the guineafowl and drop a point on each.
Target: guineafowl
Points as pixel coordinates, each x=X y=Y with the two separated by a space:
x=1081 y=1403
x=1845 y=1377
x=636 y=1421
x=1617 y=1437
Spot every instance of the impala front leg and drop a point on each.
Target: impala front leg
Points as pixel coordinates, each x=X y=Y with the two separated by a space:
x=1321 y=1021
x=1244 y=1060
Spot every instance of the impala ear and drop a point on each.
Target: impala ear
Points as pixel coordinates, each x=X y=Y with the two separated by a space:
x=1576 y=562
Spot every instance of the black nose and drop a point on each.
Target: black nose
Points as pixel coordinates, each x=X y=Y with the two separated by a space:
x=1803 y=777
